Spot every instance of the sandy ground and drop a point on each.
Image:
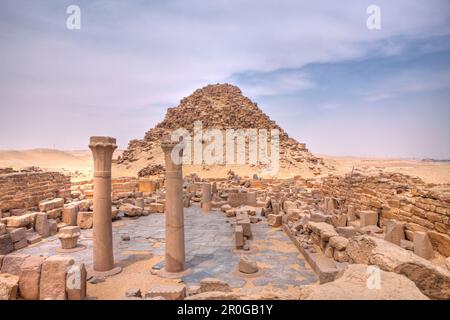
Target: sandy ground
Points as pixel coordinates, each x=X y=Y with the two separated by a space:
x=78 y=164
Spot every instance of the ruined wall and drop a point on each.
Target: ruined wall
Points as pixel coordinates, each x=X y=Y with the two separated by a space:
x=422 y=207
x=118 y=185
x=24 y=189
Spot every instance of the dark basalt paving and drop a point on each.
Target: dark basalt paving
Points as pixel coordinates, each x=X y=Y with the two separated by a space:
x=209 y=249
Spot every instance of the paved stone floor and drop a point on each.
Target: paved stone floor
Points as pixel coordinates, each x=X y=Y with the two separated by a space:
x=209 y=249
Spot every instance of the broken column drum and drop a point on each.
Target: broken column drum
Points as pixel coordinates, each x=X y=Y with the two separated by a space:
x=102 y=150
x=175 y=251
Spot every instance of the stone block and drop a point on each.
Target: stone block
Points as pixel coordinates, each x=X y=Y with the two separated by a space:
x=339 y=243
x=19 y=221
x=42 y=225
x=239 y=236
x=2 y=229
x=213 y=284
x=12 y=263
x=51 y=204
x=114 y=212
x=156 y=207
x=368 y=218
x=251 y=199
x=33 y=238
x=6 y=244
x=69 y=215
x=53 y=226
x=422 y=245
x=85 y=219
x=20 y=244
x=76 y=282
x=441 y=242
x=247 y=265
x=130 y=210
x=319 y=217
x=18 y=234
x=395 y=231
x=9 y=285
x=274 y=220
x=139 y=202
x=55 y=213
x=432 y=280
x=236 y=199
x=53 y=278
x=30 y=277
x=169 y=291
x=347 y=232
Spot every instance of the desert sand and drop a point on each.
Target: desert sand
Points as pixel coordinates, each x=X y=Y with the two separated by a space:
x=78 y=163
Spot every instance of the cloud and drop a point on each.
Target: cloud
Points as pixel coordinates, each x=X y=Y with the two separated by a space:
x=129 y=56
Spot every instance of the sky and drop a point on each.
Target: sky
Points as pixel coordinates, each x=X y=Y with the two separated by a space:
x=312 y=66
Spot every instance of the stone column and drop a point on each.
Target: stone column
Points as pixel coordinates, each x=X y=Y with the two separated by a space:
x=206 y=197
x=175 y=255
x=102 y=150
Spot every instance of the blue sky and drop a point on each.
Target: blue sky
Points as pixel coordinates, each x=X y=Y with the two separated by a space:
x=313 y=67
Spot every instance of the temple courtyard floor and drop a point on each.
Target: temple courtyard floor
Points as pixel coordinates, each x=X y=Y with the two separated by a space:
x=210 y=253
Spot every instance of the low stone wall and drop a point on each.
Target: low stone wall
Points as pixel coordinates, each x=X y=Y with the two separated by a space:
x=395 y=196
x=41 y=278
x=25 y=189
x=118 y=185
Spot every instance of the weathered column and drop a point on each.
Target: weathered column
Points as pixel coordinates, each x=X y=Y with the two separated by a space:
x=206 y=197
x=175 y=255
x=102 y=150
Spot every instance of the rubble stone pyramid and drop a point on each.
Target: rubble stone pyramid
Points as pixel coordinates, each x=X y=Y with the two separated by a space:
x=219 y=106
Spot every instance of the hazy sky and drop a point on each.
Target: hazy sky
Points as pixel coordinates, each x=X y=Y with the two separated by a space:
x=313 y=66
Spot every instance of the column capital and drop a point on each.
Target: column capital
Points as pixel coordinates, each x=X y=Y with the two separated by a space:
x=167 y=146
x=104 y=142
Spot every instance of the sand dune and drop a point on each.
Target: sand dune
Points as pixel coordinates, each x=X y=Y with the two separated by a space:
x=45 y=158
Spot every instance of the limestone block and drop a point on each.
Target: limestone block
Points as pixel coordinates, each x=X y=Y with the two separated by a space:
x=20 y=244
x=53 y=226
x=239 y=236
x=422 y=245
x=76 y=282
x=18 y=234
x=53 y=278
x=6 y=244
x=368 y=218
x=441 y=242
x=2 y=229
x=169 y=291
x=395 y=231
x=247 y=265
x=19 y=221
x=30 y=277
x=9 y=285
x=274 y=220
x=42 y=225
x=51 y=204
x=432 y=280
x=55 y=213
x=12 y=263
x=130 y=210
x=213 y=284
x=69 y=215
x=85 y=219
x=339 y=243
x=156 y=207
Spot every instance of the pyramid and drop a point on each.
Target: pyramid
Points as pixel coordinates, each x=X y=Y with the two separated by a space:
x=219 y=106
